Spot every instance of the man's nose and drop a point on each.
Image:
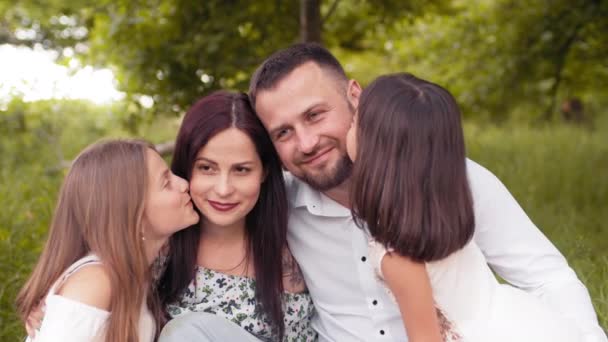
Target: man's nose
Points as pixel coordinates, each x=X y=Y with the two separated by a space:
x=307 y=141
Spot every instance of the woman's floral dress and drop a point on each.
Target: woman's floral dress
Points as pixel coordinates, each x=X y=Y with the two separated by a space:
x=233 y=297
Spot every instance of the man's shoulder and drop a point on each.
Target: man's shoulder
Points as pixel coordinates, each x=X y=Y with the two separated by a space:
x=480 y=177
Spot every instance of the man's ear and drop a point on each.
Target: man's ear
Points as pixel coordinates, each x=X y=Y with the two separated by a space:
x=353 y=93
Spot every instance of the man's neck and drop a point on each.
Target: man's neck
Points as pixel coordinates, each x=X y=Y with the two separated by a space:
x=340 y=194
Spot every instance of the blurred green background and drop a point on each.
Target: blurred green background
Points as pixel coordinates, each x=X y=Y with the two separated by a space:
x=532 y=80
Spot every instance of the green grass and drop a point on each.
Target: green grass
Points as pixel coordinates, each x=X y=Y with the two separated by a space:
x=557 y=173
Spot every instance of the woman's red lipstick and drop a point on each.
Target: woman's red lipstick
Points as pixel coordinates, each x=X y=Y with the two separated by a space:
x=222 y=206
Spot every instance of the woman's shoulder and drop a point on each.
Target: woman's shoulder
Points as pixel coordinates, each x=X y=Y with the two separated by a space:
x=90 y=285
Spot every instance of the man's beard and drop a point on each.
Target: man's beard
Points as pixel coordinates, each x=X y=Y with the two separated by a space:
x=333 y=177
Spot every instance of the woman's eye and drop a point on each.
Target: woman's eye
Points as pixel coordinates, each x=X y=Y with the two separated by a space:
x=242 y=169
x=204 y=168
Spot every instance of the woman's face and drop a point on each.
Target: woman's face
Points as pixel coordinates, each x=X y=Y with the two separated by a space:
x=168 y=207
x=226 y=179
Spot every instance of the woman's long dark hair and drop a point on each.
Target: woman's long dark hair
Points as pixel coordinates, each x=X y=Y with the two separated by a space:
x=266 y=224
x=409 y=181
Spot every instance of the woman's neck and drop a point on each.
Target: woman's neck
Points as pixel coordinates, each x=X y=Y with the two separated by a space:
x=215 y=234
x=224 y=249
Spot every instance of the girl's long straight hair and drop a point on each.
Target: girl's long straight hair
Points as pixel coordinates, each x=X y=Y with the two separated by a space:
x=409 y=181
x=100 y=211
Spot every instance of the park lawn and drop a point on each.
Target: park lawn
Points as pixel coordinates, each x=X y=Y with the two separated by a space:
x=557 y=173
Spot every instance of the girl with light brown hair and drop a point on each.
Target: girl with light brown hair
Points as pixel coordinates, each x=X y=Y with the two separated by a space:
x=118 y=205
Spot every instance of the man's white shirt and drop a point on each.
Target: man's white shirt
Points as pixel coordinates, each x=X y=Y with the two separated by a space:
x=353 y=306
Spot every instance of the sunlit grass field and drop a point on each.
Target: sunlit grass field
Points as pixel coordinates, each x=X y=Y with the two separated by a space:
x=558 y=173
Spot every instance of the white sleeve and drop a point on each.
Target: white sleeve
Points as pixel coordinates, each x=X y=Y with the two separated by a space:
x=67 y=320
x=376 y=252
x=519 y=252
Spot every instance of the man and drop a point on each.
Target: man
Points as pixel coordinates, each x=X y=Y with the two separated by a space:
x=306 y=103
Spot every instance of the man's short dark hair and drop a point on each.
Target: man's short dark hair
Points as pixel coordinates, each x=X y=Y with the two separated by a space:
x=283 y=62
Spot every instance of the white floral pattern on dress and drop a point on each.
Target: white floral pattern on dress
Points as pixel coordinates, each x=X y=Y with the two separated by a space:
x=233 y=297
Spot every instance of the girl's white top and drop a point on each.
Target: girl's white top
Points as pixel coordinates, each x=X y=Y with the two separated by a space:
x=67 y=320
x=481 y=309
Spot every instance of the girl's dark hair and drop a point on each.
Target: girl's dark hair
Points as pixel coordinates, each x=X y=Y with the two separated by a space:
x=409 y=181
x=266 y=224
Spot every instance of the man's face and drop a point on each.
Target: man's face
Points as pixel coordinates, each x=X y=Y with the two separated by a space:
x=307 y=115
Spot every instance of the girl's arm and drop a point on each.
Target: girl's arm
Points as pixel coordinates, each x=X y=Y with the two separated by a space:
x=410 y=284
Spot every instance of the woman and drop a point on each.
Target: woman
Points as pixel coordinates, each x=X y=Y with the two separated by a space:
x=118 y=205
x=235 y=263
x=410 y=185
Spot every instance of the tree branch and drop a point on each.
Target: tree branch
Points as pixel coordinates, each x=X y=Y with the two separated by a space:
x=330 y=11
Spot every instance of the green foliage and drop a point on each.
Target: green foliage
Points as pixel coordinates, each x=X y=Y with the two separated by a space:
x=54 y=24
x=175 y=50
x=496 y=56
x=178 y=50
x=499 y=56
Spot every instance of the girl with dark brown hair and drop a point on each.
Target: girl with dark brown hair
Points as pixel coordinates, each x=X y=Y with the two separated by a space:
x=117 y=207
x=410 y=192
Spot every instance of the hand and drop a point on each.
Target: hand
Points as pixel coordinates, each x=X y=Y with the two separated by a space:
x=34 y=320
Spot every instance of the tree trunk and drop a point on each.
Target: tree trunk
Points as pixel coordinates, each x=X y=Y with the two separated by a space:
x=310 y=21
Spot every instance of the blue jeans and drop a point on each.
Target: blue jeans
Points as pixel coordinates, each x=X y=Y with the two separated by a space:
x=203 y=327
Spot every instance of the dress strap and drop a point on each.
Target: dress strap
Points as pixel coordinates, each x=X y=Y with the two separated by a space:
x=86 y=261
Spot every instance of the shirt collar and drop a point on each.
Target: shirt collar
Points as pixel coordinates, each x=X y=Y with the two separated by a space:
x=302 y=195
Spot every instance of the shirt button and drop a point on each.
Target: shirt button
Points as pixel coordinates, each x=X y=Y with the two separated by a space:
x=363 y=258
x=375 y=302
x=381 y=332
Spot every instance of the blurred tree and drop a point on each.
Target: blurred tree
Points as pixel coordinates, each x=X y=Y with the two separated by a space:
x=53 y=24
x=497 y=56
x=176 y=50
x=310 y=20
x=500 y=56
